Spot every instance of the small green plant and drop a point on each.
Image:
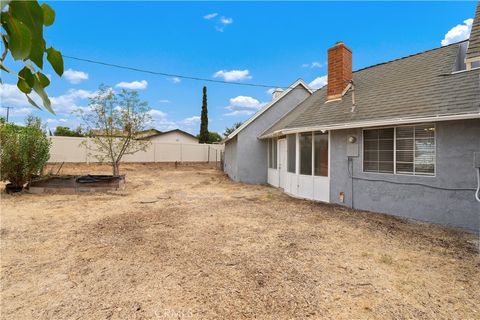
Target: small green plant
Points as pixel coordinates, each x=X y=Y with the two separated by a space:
x=23 y=153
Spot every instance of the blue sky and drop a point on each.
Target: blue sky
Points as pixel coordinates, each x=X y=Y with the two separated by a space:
x=271 y=43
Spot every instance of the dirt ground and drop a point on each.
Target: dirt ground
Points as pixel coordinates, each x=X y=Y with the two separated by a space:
x=203 y=247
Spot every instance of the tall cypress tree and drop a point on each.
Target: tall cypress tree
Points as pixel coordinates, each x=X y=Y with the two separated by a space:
x=204 y=119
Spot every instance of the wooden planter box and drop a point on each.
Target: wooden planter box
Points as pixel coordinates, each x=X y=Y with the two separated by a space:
x=77 y=184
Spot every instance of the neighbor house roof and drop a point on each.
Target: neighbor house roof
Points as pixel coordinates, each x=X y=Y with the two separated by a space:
x=148 y=133
x=415 y=88
x=159 y=133
x=297 y=83
x=473 y=52
x=117 y=133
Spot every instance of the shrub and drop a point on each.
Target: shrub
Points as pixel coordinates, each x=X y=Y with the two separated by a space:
x=23 y=152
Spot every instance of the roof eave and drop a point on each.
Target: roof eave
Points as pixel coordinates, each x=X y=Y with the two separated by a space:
x=268 y=106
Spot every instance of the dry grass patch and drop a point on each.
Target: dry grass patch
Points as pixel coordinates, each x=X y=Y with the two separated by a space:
x=211 y=248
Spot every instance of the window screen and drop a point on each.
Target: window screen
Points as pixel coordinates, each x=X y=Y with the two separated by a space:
x=321 y=154
x=291 y=152
x=306 y=153
x=415 y=147
x=378 y=150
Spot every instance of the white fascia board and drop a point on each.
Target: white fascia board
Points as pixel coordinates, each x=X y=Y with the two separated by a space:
x=375 y=123
x=268 y=106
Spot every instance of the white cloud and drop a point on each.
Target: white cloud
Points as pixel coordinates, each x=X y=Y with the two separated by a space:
x=210 y=16
x=71 y=101
x=164 y=101
x=220 y=22
x=191 y=120
x=12 y=97
x=175 y=80
x=160 y=120
x=157 y=114
x=21 y=112
x=233 y=75
x=458 y=33
x=226 y=21
x=223 y=22
x=314 y=64
x=243 y=105
x=74 y=76
x=64 y=104
x=134 y=85
x=52 y=122
x=319 y=82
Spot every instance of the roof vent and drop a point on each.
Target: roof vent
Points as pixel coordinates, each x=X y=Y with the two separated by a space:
x=276 y=93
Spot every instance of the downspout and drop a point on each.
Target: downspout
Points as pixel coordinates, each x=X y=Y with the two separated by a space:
x=350 y=159
x=476 y=165
x=350 y=174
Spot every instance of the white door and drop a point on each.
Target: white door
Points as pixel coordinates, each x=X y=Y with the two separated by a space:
x=282 y=162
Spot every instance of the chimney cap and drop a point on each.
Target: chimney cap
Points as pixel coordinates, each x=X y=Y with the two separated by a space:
x=338 y=44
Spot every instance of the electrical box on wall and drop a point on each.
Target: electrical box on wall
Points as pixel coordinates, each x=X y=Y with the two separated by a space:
x=352 y=145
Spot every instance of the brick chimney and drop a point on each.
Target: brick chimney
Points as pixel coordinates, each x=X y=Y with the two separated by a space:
x=339 y=70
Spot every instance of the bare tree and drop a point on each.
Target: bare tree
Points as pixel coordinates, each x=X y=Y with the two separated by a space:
x=113 y=121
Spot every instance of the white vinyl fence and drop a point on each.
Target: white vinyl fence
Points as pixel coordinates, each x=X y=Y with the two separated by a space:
x=72 y=149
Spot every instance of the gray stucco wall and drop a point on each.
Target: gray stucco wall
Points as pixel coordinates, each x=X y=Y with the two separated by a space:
x=230 y=158
x=250 y=152
x=455 y=143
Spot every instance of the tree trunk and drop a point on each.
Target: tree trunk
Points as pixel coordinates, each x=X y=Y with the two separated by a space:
x=116 y=168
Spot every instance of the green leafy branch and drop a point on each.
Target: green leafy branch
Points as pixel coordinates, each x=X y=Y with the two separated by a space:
x=22 y=36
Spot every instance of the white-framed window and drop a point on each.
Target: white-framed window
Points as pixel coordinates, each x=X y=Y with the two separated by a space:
x=406 y=150
x=272 y=153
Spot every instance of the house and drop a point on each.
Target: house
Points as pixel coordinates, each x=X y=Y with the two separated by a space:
x=245 y=154
x=397 y=137
x=171 y=136
x=154 y=135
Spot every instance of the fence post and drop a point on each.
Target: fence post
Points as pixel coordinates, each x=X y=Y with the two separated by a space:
x=208 y=154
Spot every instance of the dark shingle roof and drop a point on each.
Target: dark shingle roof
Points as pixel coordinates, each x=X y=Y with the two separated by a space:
x=421 y=85
x=474 y=43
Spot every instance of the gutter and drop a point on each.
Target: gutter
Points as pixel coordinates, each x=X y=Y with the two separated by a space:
x=372 y=123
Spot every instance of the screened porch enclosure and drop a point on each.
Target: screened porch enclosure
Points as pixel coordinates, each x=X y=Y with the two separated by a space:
x=299 y=164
